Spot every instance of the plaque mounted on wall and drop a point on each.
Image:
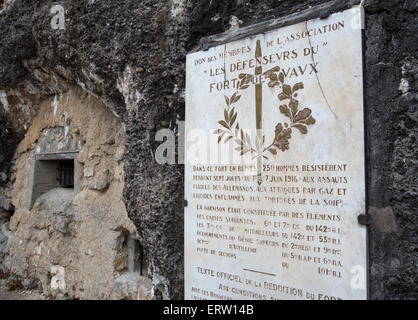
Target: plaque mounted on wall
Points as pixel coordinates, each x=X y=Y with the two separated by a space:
x=275 y=172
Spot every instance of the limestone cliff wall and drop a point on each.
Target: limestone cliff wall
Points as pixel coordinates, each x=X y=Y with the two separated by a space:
x=73 y=242
x=131 y=56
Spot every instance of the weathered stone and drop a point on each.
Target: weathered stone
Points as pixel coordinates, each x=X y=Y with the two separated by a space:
x=57 y=201
x=57 y=139
x=411 y=5
x=153 y=38
x=111 y=138
x=62 y=224
x=4 y=215
x=121 y=260
x=100 y=183
x=74 y=230
x=383 y=219
x=88 y=171
x=119 y=154
x=6 y=204
x=6 y=240
x=132 y=286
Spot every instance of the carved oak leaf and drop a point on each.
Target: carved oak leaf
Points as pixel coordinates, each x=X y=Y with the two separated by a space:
x=297 y=86
x=310 y=121
x=282 y=96
x=287 y=90
x=282 y=137
x=303 y=115
x=285 y=110
x=301 y=128
x=281 y=77
x=294 y=104
x=271 y=74
x=245 y=80
x=272 y=150
x=303 y=119
x=286 y=93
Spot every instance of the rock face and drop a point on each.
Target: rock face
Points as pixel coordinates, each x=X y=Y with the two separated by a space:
x=131 y=56
x=6 y=238
x=72 y=241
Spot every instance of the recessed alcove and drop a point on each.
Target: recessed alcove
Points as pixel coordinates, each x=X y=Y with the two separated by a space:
x=50 y=171
x=137 y=261
x=68 y=187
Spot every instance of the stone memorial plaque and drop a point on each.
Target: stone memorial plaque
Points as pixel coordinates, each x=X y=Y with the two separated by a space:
x=274 y=174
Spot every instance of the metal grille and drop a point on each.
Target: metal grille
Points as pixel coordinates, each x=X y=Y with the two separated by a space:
x=66 y=174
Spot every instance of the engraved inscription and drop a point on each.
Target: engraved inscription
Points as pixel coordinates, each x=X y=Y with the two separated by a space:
x=274 y=173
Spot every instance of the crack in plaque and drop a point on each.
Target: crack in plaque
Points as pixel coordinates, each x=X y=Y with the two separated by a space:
x=316 y=74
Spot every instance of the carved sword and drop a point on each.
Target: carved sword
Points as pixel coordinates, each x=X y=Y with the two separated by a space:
x=259 y=106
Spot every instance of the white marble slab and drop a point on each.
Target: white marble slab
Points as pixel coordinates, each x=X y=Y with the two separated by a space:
x=280 y=220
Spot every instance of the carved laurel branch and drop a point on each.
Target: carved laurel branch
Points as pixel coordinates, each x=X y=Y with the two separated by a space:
x=231 y=128
x=299 y=119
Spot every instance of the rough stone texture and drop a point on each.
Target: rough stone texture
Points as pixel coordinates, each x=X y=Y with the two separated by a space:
x=18 y=295
x=6 y=238
x=131 y=55
x=391 y=102
x=131 y=286
x=73 y=243
x=8 y=142
x=6 y=204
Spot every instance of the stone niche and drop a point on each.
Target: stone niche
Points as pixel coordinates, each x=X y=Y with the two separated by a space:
x=71 y=232
x=53 y=169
